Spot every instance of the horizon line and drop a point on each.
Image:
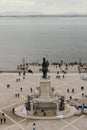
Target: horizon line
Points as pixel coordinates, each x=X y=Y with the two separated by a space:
x=43 y=15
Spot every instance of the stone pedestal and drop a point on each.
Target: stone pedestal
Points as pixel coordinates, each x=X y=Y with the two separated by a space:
x=45 y=88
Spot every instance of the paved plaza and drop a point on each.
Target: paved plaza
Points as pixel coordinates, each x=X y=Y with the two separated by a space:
x=13 y=96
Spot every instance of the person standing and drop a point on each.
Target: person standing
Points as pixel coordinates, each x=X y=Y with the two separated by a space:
x=34 y=126
x=1 y=120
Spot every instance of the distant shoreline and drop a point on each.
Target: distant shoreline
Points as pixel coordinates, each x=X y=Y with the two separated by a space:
x=7 y=15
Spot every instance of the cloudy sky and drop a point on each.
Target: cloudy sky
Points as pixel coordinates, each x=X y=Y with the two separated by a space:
x=44 y=6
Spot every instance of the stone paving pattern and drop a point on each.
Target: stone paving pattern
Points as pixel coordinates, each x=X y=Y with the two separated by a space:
x=8 y=100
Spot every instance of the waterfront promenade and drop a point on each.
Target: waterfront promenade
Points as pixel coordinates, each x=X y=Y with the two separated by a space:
x=12 y=96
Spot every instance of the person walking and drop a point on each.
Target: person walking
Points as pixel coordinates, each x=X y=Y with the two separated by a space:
x=31 y=90
x=21 y=89
x=4 y=120
x=18 y=95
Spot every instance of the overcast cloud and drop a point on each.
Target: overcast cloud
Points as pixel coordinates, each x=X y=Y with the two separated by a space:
x=44 y=6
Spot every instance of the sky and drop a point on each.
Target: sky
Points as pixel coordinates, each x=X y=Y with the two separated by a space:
x=43 y=6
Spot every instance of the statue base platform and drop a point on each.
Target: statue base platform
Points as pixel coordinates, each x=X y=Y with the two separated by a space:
x=69 y=112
